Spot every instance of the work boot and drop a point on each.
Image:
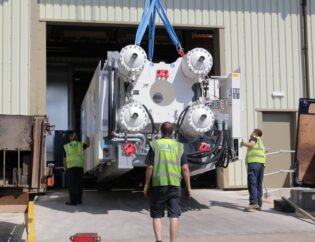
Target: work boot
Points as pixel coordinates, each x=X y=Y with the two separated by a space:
x=251 y=207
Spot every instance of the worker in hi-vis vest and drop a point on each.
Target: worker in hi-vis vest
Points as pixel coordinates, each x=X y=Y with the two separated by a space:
x=74 y=164
x=166 y=161
x=255 y=160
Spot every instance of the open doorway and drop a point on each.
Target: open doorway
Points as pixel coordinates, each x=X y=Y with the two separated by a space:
x=73 y=52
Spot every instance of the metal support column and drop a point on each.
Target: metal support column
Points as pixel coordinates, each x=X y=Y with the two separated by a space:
x=19 y=164
x=4 y=161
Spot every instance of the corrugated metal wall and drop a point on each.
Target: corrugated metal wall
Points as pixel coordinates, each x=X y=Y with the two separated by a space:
x=262 y=38
x=14 y=57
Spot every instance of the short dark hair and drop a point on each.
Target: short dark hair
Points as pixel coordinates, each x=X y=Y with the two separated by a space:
x=167 y=128
x=73 y=136
x=258 y=132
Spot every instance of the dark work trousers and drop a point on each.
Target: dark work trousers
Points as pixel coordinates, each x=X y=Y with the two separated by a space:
x=255 y=175
x=75 y=184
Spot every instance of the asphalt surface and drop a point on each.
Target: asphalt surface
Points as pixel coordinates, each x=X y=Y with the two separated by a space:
x=123 y=216
x=12 y=227
x=13 y=204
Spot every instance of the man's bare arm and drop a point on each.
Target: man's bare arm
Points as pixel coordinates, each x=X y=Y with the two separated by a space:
x=250 y=144
x=87 y=143
x=148 y=176
x=65 y=163
x=186 y=173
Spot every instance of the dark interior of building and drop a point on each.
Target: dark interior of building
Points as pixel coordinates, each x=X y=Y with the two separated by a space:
x=73 y=52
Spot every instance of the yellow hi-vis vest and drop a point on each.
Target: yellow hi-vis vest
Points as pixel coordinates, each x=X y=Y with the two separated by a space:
x=167 y=162
x=256 y=154
x=74 y=154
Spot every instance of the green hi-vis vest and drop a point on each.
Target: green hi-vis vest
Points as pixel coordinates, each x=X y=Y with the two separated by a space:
x=256 y=154
x=74 y=154
x=167 y=162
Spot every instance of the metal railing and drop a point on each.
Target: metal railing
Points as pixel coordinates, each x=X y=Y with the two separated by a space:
x=266 y=193
x=280 y=151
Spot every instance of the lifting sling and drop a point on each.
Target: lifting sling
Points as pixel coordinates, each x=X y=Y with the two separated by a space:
x=148 y=19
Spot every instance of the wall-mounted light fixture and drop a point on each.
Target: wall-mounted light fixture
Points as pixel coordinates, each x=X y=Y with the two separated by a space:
x=277 y=94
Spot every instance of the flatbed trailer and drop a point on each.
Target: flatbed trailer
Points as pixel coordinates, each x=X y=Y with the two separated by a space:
x=22 y=153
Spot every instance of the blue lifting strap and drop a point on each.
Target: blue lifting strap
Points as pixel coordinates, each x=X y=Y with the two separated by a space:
x=148 y=19
x=151 y=35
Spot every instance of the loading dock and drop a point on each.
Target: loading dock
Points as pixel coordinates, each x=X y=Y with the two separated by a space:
x=73 y=52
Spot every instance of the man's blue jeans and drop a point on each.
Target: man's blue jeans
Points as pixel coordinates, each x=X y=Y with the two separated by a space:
x=255 y=175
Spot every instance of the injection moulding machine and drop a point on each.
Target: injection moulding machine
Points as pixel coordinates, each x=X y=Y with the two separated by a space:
x=130 y=97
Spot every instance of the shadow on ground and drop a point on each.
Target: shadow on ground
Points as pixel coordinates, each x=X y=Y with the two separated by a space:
x=11 y=232
x=96 y=202
x=265 y=209
x=235 y=206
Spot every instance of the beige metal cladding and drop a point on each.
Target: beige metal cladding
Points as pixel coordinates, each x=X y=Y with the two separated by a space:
x=311 y=45
x=262 y=38
x=14 y=57
x=37 y=62
x=22 y=58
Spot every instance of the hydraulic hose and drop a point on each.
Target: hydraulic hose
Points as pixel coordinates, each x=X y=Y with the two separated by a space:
x=115 y=98
x=215 y=158
x=221 y=159
x=151 y=119
x=201 y=154
x=181 y=119
x=227 y=155
x=110 y=99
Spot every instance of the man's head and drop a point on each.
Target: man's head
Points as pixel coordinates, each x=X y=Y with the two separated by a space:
x=257 y=132
x=73 y=136
x=167 y=129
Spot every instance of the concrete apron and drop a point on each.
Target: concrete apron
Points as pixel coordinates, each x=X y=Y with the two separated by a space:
x=211 y=215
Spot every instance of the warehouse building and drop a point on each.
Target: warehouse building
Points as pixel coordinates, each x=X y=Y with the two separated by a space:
x=50 y=48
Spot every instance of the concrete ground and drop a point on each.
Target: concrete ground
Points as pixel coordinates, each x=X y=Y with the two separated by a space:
x=123 y=216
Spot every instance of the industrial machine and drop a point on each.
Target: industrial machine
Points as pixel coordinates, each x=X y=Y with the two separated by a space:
x=130 y=97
